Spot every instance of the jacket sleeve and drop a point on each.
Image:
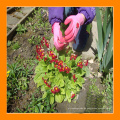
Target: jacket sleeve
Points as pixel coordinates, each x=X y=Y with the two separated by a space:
x=55 y=14
x=88 y=12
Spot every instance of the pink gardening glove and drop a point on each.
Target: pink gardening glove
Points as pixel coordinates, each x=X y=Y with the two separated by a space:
x=58 y=39
x=75 y=22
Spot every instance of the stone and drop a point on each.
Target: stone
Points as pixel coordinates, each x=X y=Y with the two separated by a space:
x=79 y=106
x=91 y=49
x=26 y=10
x=11 y=20
x=90 y=61
x=18 y=14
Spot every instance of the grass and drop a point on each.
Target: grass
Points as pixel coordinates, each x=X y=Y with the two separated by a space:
x=9 y=43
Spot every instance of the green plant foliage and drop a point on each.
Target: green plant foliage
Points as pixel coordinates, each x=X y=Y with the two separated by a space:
x=63 y=27
x=21 y=29
x=40 y=105
x=9 y=43
x=15 y=46
x=18 y=78
x=105 y=39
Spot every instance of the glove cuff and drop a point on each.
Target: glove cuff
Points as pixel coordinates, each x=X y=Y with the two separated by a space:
x=55 y=24
x=81 y=18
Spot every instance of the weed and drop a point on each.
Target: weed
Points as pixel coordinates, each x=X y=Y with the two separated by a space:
x=9 y=43
x=39 y=105
x=15 y=46
x=21 y=29
x=18 y=78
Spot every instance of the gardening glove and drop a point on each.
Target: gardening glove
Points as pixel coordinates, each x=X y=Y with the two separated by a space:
x=75 y=22
x=58 y=39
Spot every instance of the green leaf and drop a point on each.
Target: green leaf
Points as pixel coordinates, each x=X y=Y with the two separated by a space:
x=105 y=24
x=40 y=83
x=61 y=83
x=87 y=72
x=68 y=94
x=42 y=63
x=73 y=84
x=63 y=27
x=69 y=100
x=77 y=59
x=41 y=69
x=88 y=28
x=107 y=59
x=43 y=88
x=41 y=107
x=100 y=39
x=37 y=77
x=44 y=95
x=65 y=99
x=44 y=69
x=52 y=65
x=78 y=89
x=36 y=109
x=62 y=90
x=62 y=57
x=80 y=72
x=49 y=67
x=51 y=99
x=81 y=80
x=67 y=59
x=107 y=34
x=59 y=98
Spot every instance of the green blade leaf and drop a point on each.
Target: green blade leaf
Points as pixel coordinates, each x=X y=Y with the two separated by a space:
x=44 y=95
x=107 y=34
x=105 y=24
x=100 y=39
x=59 y=98
x=109 y=53
x=62 y=90
x=51 y=99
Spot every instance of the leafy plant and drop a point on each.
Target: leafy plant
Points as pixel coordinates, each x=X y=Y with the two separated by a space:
x=21 y=29
x=108 y=92
x=9 y=43
x=15 y=46
x=60 y=74
x=105 y=39
x=31 y=40
x=39 y=105
x=17 y=79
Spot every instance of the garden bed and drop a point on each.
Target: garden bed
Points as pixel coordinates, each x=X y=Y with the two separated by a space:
x=22 y=50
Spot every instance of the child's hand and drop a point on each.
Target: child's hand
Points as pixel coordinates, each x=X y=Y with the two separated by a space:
x=75 y=22
x=58 y=39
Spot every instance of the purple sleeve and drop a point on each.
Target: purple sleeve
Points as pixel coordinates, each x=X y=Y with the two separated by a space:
x=88 y=12
x=55 y=14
